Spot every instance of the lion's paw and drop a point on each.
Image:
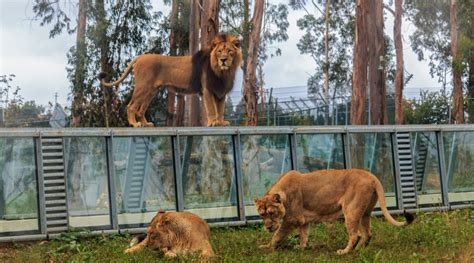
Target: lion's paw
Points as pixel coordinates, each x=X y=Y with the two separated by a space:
x=149 y=124
x=170 y=254
x=341 y=252
x=212 y=123
x=137 y=124
x=225 y=123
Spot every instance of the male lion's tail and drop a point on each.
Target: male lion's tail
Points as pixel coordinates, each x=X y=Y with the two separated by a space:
x=381 y=198
x=103 y=75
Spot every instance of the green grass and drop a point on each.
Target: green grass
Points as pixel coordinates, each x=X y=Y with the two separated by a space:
x=441 y=236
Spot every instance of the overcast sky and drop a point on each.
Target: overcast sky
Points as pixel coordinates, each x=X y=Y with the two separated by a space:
x=39 y=62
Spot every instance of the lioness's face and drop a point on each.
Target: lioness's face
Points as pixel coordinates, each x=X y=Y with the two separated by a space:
x=271 y=210
x=225 y=50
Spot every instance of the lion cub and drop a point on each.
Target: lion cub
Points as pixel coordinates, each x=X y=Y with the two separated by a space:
x=296 y=200
x=177 y=233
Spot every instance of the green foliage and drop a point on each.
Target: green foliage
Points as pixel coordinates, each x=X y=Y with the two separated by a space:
x=431 y=108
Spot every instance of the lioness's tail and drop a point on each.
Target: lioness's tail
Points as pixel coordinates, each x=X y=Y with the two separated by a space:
x=381 y=198
x=129 y=68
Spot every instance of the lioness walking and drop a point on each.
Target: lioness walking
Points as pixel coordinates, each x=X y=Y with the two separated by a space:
x=296 y=200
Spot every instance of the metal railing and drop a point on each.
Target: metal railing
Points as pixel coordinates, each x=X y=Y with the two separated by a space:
x=55 y=180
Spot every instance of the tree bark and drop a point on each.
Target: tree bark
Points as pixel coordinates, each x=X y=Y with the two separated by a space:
x=209 y=29
x=171 y=96
x=250 y=79
x=326 y=63
x=374 y=25
x=458 y=103
x=397 y=35
x=81 y=52
x=104 y=56
x=470 y=81
x=359 y=75
x=192 y=101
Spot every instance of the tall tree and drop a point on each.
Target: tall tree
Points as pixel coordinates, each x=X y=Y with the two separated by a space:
x=80 y=69
x=192 y=101
x=397 y=35
x=359 y=75
x=171 y=98
x=250 y=78
x=458 y=102
x=431 y=36
x=376 y=70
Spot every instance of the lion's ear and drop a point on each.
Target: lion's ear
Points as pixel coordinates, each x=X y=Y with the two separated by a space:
x=161 y=211
x=257 y=201
x=236 y=43
x=277 y=198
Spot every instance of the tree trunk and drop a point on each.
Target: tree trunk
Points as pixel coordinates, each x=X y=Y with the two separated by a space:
x=245 y=34
x=104 y=56
x=81 y=52
x=171 y=96
x=209 y=29
x=180 y=111
x=376 y=71
x=397 y=35
x=458 y=105
x=250 y=79
x=192 y=101
x=359 y=76
x=326 y=63
x=470 y=61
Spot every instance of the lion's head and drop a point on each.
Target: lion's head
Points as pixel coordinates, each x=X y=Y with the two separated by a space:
x=225 y=54
x=272 y=210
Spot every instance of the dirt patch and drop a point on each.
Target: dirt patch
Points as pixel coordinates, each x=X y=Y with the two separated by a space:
x=467 y=254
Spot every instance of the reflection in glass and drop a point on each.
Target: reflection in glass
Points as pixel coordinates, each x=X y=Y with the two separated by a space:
x=425 y=160
x=87 y=185
x=144 y=178
x=459 y=163
x=319 y=151
x=208 y=174
x=18 y=194
x=373 y=152
x=264 y=159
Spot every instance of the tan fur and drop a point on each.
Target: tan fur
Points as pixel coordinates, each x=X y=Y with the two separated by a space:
x=296 y=200
x=153 y=71
x=177 y=233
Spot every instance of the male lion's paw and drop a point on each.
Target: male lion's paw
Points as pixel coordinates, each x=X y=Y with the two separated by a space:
x=225 y=123
x=149 y=124
x=212 y=123
x=137 y=125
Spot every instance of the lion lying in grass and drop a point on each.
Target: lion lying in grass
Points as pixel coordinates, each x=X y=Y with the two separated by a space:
x=177 y=233
x=296 y=200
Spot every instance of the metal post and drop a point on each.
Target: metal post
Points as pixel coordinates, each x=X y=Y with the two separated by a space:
x=40 y=185
x=178 y=179
x=347 y=150
x=294 y=163
x=238 y=175
x=442 y=168
x=111 y=178
x=396 y=170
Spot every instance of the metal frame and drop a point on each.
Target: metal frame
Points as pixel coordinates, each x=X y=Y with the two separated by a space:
x=235 y=132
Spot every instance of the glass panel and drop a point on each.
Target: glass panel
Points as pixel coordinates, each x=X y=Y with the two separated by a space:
x=427 y=178
x=319 y=151
x=264 y=159
x=208 y=176
x=87 y=184
x=18 y=192
x=373 y=152
x=144 y=178
x=459 y=159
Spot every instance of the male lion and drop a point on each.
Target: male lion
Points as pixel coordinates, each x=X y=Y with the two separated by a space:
x=296 y=200
x=177 y=233
x=208 y=72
